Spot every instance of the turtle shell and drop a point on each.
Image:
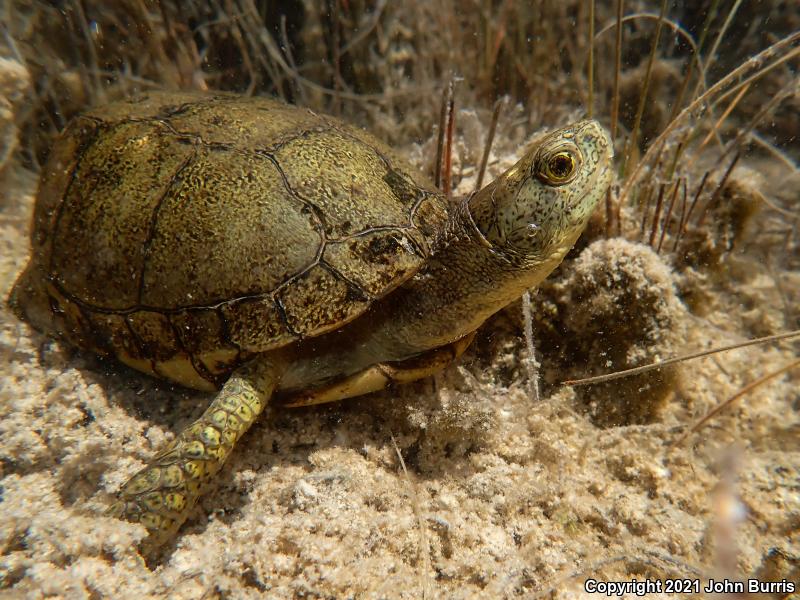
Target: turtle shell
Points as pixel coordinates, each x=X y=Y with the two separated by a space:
x=184 y=233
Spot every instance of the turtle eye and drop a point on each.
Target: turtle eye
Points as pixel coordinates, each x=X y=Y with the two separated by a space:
x=559 y=167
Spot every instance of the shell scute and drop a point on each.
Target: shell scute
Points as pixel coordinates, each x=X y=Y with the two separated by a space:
x=256 y=324
x=227 y=227
x=104 y=221
x=200 y=330
x=320 y=300
x=112 y=334
x=375 y=259
x=344 y=179
x=156 y=335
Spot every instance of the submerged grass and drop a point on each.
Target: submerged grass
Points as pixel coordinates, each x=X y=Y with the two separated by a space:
x=383 y=65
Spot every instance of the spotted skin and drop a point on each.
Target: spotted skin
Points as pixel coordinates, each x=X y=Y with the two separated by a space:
x=243 y=246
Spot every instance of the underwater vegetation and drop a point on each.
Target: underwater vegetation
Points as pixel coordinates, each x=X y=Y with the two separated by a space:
x=493 y=479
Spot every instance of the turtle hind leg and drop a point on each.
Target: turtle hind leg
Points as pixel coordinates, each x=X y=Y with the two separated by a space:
x=162 y=495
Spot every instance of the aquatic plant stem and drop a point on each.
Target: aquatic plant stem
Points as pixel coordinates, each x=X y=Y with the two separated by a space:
x=668 y=216
x=590 y=67
x=717 y=191
x=717 y=88
x=715 y=46
x=742 y=392
x=792 y=88
x=617 y=71
x=447 y=169
x=659 y=203
x=424 y=552
x=676 y=106
x=447 y=94
x=487 y=148
x=637 y=122
x=531 y=366
x=722 y=118
x=678 y=359
x=682 y=219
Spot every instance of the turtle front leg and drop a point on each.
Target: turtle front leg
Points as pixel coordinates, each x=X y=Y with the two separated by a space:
x=161 y=495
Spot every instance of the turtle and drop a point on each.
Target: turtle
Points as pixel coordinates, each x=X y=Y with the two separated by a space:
x=271 y=254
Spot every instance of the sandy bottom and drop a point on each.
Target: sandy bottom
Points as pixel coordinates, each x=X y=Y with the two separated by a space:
x=500 y=496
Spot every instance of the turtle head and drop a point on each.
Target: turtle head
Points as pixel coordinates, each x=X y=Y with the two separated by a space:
x=538 y=208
